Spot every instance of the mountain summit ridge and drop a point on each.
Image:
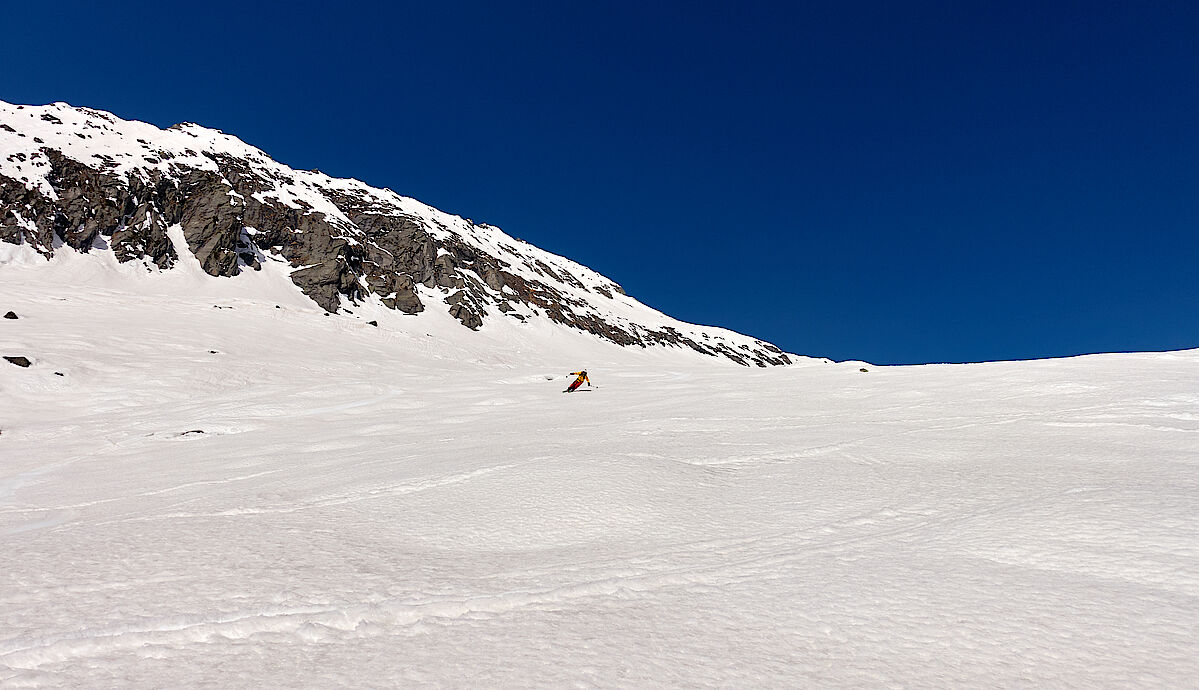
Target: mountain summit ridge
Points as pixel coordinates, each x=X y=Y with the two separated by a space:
x=79 y=178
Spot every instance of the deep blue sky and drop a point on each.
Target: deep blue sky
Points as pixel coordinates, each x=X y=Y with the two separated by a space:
x=897 y=182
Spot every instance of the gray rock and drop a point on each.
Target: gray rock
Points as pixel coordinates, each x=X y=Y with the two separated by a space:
x=212 y=226
x=19 y=361
x=463 y=308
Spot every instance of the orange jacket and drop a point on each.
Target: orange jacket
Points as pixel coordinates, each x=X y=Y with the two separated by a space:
x=582 y=377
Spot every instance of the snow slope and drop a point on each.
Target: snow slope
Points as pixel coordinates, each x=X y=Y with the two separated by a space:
x=389 y=507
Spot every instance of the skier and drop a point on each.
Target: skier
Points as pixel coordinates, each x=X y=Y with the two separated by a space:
x=582 y=377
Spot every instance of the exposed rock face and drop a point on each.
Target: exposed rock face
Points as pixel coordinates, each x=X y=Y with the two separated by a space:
x=80 y=178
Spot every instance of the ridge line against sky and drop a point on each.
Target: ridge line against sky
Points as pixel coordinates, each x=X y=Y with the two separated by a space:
x=931 y=182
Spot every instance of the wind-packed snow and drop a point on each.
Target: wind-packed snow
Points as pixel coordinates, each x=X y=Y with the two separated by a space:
x=230 y=491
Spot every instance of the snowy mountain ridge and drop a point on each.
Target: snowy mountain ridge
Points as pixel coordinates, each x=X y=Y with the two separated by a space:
x=208 y=480
x=84 y=180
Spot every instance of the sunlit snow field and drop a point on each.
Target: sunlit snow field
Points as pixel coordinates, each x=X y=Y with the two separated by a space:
x=415 y=504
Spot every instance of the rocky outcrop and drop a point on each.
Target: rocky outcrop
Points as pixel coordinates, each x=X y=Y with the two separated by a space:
x=345 y=242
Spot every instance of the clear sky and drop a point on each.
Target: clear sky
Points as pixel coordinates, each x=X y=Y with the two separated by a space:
x=891 y=181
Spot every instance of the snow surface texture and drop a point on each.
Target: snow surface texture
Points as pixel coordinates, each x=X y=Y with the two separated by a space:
x=235 y=492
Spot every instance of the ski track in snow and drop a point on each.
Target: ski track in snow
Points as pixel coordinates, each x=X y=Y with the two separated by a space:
x=334 y=506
